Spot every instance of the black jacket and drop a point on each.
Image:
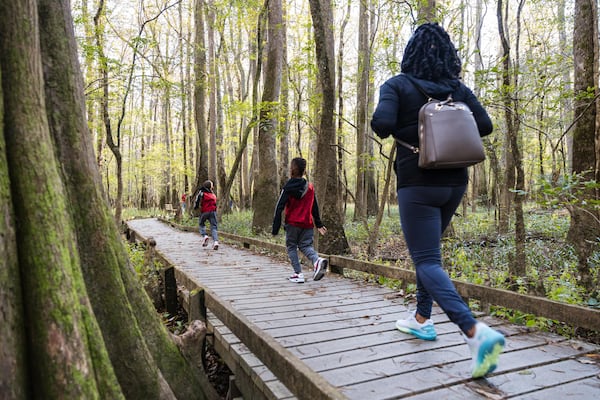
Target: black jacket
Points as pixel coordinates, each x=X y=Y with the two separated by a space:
x=397 y=114
x=200 y=195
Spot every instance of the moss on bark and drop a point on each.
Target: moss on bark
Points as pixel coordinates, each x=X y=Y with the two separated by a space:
x=91 y=331
x=13 y=383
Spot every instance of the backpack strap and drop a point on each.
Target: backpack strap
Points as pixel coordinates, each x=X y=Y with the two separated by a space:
x=414 y=149
x=429 y=98
x=409 y=146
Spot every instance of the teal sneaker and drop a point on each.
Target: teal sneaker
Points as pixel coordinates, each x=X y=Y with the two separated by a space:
x=410 y=325
x=486 y=346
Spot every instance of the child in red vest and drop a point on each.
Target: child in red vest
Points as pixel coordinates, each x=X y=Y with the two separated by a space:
x=207 y=201
x=301 y=215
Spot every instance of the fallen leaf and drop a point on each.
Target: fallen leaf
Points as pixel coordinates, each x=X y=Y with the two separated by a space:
x=526 y=372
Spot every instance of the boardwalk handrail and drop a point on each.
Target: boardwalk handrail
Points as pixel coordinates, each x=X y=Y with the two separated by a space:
x=569 y=314
x=303 y=382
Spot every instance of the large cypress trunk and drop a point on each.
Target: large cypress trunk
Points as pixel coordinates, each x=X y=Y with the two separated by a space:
x=12 y=331
x=85 y=309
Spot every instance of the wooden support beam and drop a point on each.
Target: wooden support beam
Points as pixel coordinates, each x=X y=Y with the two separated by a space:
x=170 y=293
x=305 y=383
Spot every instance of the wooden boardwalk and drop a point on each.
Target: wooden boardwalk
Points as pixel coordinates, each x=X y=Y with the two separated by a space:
x=344 y=330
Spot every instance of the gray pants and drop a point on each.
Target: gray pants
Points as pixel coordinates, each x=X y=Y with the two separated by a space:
x=299 y=238
x=211 y=217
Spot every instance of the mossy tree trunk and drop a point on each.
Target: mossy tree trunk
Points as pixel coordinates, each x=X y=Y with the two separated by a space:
x=73 y=326
x=362 y=157
x=585 y=226
x=327 y=181
x=266 y=185
x=12 y=322
x=200 y=84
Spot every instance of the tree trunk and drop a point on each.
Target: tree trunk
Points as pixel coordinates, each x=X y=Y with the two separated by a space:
x=13 y=346
x=113 y=145
x=220 y=134
x=360 y=209
x=200 y=95
x=184 y=95
x=69 y=250
x=370 y=177
x=284 y=122
x=212 y=94
x=566 y=109
x=241 y=156
x=505 y=197
x=373 y=236
x=143 y=203
x=427 y=11
x=515 y=180
x=340 y=91
x=266 y=185
x=585 y=226
x=327 y=180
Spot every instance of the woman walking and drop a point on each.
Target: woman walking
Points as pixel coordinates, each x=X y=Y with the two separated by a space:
x=428 y=198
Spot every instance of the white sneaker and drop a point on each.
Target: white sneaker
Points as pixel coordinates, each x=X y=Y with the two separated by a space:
x=216 y=245
x=320 y=268
x=410 y=325
x=297 y=278
x=205 y=241
x=486 y=346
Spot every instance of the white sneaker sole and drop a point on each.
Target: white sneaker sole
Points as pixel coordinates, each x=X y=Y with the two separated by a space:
x=320 y=270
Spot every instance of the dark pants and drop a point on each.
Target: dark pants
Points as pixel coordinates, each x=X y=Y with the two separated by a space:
x=211 y=217
x=299 y=238
x=425 y=212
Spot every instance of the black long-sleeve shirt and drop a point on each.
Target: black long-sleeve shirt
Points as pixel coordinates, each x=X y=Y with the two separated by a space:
x=397 y=114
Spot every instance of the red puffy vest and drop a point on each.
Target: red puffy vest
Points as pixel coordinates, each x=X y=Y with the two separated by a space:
x=209 y=202
x=298 y=212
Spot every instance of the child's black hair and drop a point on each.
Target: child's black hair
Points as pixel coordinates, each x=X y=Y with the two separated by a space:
x=431 y=55
x=207 y=184
x=298 y=166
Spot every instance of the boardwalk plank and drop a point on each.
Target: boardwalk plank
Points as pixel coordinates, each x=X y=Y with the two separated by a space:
x=321 y=305
x=344 y=330
x=410 y=361
x=582 y=389
x=456 y=371
x=547 y=382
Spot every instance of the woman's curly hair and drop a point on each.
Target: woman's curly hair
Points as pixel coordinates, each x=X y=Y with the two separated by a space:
x=431 y=55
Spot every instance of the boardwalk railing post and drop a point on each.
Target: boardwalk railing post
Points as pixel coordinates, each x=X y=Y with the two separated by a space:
x=198 y=311
x=170 y=283
x=334 y=268
x=197 y=307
